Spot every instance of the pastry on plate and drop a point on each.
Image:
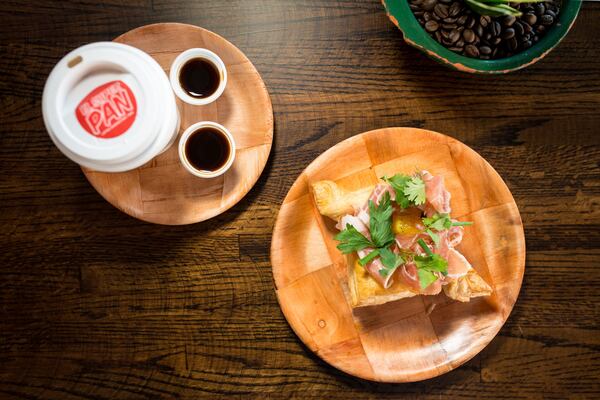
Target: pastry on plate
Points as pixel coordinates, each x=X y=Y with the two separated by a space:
x=400 y=239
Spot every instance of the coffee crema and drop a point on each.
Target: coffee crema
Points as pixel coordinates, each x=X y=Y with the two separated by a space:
x=207 y=149
x=199 y=78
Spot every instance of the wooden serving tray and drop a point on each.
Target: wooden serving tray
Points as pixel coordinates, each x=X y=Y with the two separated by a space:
x=162 y=191
x=410 y=339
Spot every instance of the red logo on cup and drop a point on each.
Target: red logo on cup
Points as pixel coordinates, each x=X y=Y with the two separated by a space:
x=107 y=111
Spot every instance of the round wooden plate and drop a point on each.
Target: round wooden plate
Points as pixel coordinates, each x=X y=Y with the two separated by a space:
x=162 y=191
x=411 y=339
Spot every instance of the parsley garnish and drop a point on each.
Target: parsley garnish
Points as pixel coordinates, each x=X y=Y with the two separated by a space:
x=398 y=183
x=390 y=261
x=382 y=237
x=352 y=240
x=427 y=265
x=409 y=190
x=380 y=221
x=440 y=222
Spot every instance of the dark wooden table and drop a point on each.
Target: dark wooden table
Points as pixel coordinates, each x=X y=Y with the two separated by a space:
x=97 y=305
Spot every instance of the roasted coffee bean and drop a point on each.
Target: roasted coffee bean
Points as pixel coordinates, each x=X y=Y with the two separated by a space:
x=508 y=33
x=468 y=35
x=441 y=10
x=509 y=20
x=432 y=26
x=519 y=29
x=547 y=19
x=540 y=9
x=484 y=20
x=455 y=9
x=470 y=23
x=454 y=35
x=471 y=51
x=531 y=19
x=428 y=5
x=495 y=28
x=479 y=30
x=461 y=30
x=485 y=50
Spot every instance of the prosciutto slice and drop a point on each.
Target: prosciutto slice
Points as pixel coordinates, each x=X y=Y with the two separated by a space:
x=438 y=198
x=438 y=201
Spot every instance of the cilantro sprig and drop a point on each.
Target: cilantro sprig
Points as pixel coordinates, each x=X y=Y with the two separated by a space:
x=427 y=265
x=440 y=222
x=382 y=237
x=409 y=190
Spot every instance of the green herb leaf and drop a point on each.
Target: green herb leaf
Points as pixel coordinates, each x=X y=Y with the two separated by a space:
x=352 y=240
x=390 y=261
x=415 y=190
x=381 y=221
x=462 y=223
x=439 y=222
x=427 y=265
x=433 y=263
x=434 y=236
x=398 y=183
x=369 y=257
x=426 y=278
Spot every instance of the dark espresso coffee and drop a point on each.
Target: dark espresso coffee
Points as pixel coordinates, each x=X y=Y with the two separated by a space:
x=200 y=78
x=207 y=149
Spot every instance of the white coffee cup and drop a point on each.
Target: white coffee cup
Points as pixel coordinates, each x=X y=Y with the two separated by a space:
x=189 y=165
x=180 y=62
x=109 y=107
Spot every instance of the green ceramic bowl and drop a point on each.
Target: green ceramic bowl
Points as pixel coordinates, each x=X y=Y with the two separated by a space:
x=415 y=35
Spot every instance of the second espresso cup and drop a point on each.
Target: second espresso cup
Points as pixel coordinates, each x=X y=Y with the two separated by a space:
x=207 y=149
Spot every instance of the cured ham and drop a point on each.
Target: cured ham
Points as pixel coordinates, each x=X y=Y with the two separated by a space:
x=421 y=240
x=438 y=198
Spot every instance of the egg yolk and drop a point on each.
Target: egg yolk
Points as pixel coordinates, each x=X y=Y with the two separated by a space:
x=404 y=222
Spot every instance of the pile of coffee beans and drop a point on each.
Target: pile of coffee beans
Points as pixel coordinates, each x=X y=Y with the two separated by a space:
x=457 y=27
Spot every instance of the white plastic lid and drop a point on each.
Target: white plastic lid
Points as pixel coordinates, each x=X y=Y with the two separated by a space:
x=109 y=107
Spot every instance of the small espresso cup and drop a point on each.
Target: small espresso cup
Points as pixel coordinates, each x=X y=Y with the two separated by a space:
x=207 y=149
x=198 y=76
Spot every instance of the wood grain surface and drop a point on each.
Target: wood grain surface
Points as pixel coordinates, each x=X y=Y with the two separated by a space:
x=162 y=191
x=95 y=304
x=415 y=338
